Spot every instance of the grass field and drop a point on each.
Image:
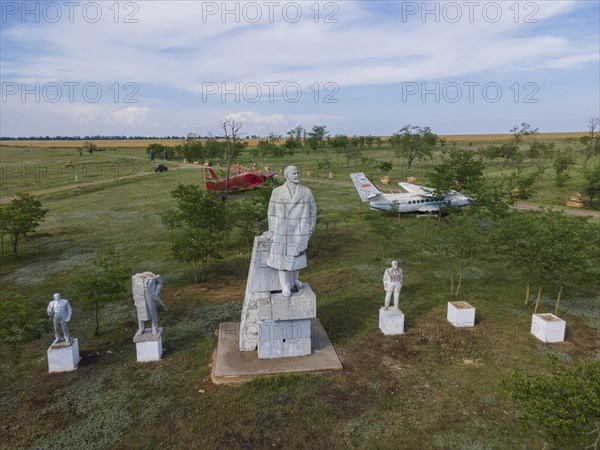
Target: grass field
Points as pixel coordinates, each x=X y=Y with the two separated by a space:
x=435 y=387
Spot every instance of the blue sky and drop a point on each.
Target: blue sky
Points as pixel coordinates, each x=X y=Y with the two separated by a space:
x=171 y=68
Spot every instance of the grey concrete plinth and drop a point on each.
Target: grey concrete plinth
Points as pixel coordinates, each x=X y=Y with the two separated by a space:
x=230 y=365
x=391 y=321
x=148 y=346
x=63 y=357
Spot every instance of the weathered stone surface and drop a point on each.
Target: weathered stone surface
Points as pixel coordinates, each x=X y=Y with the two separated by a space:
x=284 y=338
x=63 y=358
x=262 y=280
x=301 y=305
x=391 y=321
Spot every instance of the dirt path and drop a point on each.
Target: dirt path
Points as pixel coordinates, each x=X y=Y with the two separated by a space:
x=525 y=206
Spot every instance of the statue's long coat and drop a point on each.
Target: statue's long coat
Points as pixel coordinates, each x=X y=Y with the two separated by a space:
x=146 y=289
x=292 y=219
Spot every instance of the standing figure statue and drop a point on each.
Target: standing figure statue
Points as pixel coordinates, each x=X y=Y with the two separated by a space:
x=146 y=288
x=60 y=312
x=392 y=283
x=292 y=220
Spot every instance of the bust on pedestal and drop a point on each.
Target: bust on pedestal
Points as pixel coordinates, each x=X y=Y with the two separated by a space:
x=63 y=354
x=391 y=319
x=146 y=288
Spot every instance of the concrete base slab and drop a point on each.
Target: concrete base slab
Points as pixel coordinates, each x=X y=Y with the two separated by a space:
x=232 y=366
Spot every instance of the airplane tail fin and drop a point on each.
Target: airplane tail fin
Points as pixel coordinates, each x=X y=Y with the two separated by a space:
x=366 y=189
x=212 y=181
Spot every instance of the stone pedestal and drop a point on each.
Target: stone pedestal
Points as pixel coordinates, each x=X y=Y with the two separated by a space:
x=284 y=338
x=275 y=325
x=391 y=321
x=63 y=356
x=284 y=326
x=148 y=346
x=461 y=314
x=548 y=327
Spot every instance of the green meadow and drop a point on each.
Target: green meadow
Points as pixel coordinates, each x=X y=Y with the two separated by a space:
x=434 y=387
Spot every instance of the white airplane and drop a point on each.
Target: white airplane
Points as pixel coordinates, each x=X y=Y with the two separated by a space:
x=419 y=199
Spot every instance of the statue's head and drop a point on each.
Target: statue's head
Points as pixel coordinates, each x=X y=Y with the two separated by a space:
x=292 y=174
x=395 y=264
x=56 y=296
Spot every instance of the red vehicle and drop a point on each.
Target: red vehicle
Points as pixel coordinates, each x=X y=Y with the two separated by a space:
x=243 y=178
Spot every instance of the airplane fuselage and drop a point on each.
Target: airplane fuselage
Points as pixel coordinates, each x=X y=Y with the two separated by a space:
x=408 y=203
x=417 y=199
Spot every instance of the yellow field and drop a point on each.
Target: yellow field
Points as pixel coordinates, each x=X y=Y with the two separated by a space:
x=252 y=142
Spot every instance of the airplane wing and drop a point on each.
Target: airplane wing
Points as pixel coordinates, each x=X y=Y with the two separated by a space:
x=429 y=208
x=366 y=189
x=417 y=190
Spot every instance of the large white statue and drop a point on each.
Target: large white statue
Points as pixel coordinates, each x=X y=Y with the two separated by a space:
x=60 y=312
x=146 y=288
x=292 y=220
x=392 y=283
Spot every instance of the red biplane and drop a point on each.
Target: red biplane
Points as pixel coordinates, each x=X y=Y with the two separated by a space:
x=242 y=178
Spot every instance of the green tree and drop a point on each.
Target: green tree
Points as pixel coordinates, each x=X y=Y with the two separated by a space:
x=155 y=149
x=251 y=216
x=591 y=142
x=232 y=128
x=461 y=242
x=459 y=169
x=384 y=166
x=21 y=216
x=202 y=221
x=591 y=187
x=89 y=147
x=561 y=166
x=105 y=284
x=414 y=142
x=316 y=136
x=346 y=146
x=521 y=182
x=21 y=322
x=551 y=247
x=520 y=131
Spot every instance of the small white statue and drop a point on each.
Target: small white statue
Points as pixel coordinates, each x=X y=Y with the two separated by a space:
x=146 y=289
x=60 y=312
x=292 y=220
x=392 y=283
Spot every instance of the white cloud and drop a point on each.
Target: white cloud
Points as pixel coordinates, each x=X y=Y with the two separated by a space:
x=132 y=115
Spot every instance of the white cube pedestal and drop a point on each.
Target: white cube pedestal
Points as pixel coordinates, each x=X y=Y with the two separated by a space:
x=391 y=321
x=62 y=357
x=148 y=346
x=461 y=314
x=548 y=327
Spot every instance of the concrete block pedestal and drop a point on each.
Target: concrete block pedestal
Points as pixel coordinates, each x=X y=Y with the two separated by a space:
x=284 y=338
x=63 y=356
x=461 y=314
x=284 y=327
x=148 y=346
x=391 y=321
x=548 y=327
